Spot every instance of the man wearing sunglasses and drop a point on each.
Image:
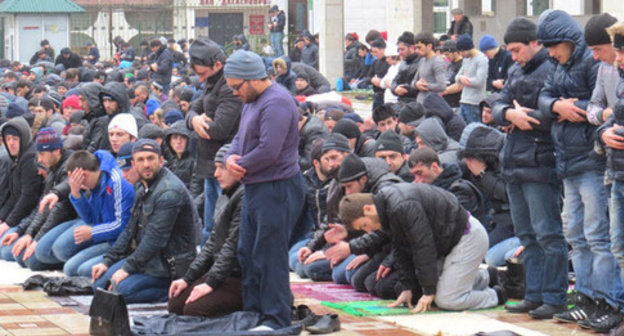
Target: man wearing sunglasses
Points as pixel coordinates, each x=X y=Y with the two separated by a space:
x=264 y=154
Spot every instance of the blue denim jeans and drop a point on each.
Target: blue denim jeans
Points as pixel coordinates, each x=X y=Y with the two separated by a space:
x=321 y=270
x=470 y=113
x=535 y=210
x=293 y=254
x=617 y=224
x=66 y=250
x=498 y=254
x=43 y=251
x=277 y=43
x=74 y=266
x=587 y=231
x=212 y=190
x=5 y=251
x=137 y=287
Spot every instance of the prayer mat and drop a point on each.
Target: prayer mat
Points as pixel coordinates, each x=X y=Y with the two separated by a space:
x=330 y=292
x=380 y=308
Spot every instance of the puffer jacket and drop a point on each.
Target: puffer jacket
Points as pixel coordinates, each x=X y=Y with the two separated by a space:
x=5 y=173
x=56 y=175
x=164 y=61
x=574 y=142
x=310 y=56
x=119 y=92
x=453 y=123
x=425 y=224
x=163 y=228
x=183 y=166
x=316 y=197
x=224 y=109
x=468 y=195
x=218 y=257
x=25 y=184
x=407 y=71
x=74 y=61
x=498 y=67
x=484 y=143
x=527 y=156
x=317 y=80
x=404 y=173
x=351 y=60
x=96 y=134
x=310 y=131
x=432 y=134
x=379 y=176
x=465 y=27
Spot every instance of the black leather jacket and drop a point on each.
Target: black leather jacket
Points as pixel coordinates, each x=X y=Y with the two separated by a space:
x=218 y=258
x=159 y=239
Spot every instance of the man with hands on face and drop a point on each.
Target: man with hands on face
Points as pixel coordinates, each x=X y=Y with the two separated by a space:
x=426 y=225
x=102 y=199
x=158 y=244
x=211 y=285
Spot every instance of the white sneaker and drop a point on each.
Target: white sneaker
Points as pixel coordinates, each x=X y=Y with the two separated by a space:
x=261 y=328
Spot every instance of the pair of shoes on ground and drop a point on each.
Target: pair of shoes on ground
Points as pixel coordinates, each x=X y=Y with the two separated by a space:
x=536 y=310
x=591 y=314
x=315 y=324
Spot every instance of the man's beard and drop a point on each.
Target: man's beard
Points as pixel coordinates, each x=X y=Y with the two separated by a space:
x=329 y=173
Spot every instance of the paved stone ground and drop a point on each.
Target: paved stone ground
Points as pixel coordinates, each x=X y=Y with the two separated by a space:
x=33 y=313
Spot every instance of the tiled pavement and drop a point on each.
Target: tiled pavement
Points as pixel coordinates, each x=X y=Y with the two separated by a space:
x=32 y=313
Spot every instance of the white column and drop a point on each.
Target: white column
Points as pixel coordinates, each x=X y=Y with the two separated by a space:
x=414 y=16
x=331 y=36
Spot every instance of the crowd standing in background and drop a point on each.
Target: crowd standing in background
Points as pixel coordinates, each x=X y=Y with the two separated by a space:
x=179 y=173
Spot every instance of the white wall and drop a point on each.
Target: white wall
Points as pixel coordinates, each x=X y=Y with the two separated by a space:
x=360 y=16
x=573 y=7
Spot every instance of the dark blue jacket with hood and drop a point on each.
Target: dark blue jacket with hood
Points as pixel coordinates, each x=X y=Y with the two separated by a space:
x=576 y=78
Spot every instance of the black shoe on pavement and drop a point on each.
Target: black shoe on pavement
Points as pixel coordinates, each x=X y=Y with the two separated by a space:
x=546 y=311
x=584 y=309
x=523 y=307
x=609 y=319
x=326 y=324
x=500 y=294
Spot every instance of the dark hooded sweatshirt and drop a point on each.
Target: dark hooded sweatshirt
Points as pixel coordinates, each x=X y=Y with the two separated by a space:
x=25 y=184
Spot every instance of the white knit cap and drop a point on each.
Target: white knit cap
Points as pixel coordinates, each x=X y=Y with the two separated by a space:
x=126 y=122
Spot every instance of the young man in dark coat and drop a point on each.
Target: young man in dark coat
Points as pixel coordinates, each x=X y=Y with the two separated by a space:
x=460 y=24
x=566 y=96
x=528 y=164
x=69 y=59
x=162 y=65
x=25 y=184
x=212 y=285
x=214 y=117
x=425 y=224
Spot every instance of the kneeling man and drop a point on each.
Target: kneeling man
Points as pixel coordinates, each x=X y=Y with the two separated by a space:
x=438 y=245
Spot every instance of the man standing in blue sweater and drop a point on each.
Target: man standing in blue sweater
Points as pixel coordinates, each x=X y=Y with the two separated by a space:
x=103 y=201
x=264 y=155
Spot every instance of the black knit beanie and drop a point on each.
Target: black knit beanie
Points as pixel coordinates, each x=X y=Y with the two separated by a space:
x=521 y=30
x=596 y=29
x=348 y=128
x=412 y=114
x=389 y=141
x=352 y=168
